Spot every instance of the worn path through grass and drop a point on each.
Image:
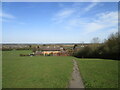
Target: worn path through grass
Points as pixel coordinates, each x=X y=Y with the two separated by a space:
x=76 y=80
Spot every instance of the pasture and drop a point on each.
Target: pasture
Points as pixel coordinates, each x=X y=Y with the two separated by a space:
x=55 y=71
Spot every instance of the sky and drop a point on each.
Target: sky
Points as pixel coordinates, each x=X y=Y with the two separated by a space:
x=58 y=22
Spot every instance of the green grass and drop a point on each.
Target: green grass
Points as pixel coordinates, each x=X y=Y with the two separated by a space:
x=55 y=72
x=35 y=72
x=99 y=73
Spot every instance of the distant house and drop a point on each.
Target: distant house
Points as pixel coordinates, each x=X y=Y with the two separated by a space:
x=51 y=51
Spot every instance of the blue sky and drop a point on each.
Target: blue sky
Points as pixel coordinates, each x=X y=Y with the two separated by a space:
x=58 y=22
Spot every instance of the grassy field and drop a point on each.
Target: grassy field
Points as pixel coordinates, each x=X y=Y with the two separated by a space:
x=55 y=72
x=35 y=72
x=99 y=73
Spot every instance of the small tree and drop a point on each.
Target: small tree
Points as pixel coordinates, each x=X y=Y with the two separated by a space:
x=95 y=40
x=34 y=49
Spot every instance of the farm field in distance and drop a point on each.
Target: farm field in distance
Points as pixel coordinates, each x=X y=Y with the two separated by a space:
x=55 y=71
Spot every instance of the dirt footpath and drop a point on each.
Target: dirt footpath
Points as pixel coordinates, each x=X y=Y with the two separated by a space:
x=76 y=81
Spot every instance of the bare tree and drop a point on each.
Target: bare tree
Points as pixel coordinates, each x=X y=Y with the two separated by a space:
x=95 y=40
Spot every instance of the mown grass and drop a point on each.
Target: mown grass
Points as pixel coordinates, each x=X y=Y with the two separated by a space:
x=36 y=71
x=99 y=73
x=55 y=72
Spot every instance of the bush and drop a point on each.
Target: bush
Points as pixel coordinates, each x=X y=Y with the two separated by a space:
x=108 y=50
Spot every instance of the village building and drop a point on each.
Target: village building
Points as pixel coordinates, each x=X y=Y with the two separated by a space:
x=51 y=51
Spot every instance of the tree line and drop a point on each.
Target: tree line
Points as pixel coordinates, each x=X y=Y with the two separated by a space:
x=109 y=49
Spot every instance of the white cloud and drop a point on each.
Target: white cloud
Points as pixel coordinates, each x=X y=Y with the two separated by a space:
x=63 y=14
x=108 y=16
x=93 y=27
x=75 y=10
x=109 y=19
x=6 y=15
x=71 y=19
x=104 y=21
x=88 y=8
x=4 y=20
